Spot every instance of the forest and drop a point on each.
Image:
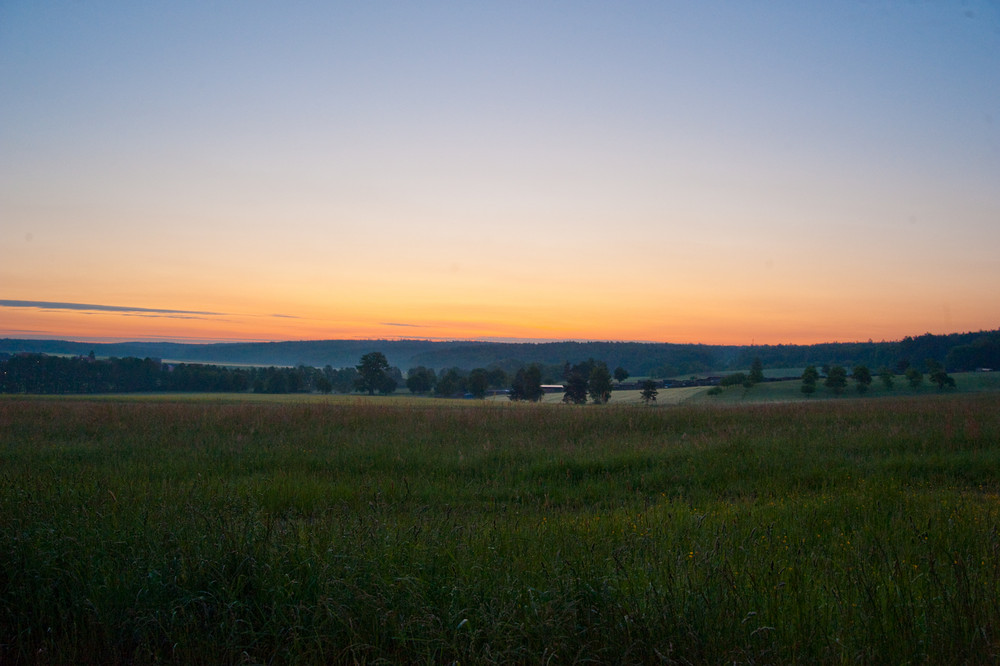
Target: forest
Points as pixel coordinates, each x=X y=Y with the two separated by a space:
x=39 y=373
x=957 y=351
x=450 y=369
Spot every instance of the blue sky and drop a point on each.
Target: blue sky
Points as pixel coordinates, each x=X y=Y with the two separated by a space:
x=717 y=172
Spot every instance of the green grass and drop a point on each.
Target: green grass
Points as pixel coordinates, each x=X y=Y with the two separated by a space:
x=791 y=391
x=353 y=530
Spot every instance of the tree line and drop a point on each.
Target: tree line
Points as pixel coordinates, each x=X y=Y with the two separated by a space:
x=587 y=380
x=374 y=375
x=45 y=374
x=39 y=373
x=836 y=377
x=957 y=352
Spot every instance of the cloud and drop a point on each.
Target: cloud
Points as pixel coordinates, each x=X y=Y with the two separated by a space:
x=90 y=307
x=392 y=323
x=25 y=331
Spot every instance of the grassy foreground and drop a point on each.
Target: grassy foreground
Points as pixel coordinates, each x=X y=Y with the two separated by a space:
x=187 y=532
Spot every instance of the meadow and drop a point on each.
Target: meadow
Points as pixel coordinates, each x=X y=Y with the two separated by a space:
x=401 y=531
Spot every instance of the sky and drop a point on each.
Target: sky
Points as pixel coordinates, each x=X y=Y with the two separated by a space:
x=714 y=172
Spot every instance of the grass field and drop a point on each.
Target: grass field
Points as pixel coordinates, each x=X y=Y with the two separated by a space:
x=385 y=531
x=791 y=391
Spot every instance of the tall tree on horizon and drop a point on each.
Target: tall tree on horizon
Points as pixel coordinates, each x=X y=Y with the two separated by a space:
x=373 y=371
x=575 y=388
x=527 y=384
x=862 y=377
x=599 y=385
x=649 y=391
x=836 y=378
x=809 y=378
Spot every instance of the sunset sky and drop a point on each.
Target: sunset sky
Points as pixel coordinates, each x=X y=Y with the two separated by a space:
x=717 y=172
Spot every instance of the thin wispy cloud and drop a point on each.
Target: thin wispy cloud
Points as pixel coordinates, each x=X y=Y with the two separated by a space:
x=92 y=307
x=154 y=315
x=392 y=323
x=26 y=331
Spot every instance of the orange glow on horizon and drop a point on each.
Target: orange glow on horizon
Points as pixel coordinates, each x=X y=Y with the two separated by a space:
x=625 y=322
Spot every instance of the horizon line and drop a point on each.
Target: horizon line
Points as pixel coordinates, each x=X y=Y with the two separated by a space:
x=192 y=341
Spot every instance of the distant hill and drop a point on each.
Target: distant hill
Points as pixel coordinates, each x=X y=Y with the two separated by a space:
x=638 y=358
x=317 y=353
x=659 y=359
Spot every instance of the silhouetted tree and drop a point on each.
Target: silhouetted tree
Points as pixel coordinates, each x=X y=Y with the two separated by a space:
x=449 y=383
x=862 y=377
x=420 y=379
x=575 y=388
x=735 y=379
x=809 y=378
x=276 y=381
x=649 y=391
x=836 y=378
x=343 y=379
x=496 y=377
x=937 y=375
x=527 y=384
x=599 y=385
x=477 y=383
x=373 y=374
x=387 y=384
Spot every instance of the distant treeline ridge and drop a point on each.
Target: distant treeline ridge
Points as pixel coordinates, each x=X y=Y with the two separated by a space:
x=957 y=352
x=38 y=373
